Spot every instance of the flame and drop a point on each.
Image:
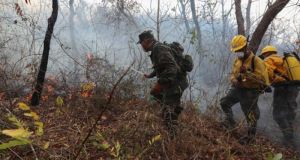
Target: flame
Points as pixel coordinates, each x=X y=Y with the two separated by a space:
x=50 y=88
x=87 y=89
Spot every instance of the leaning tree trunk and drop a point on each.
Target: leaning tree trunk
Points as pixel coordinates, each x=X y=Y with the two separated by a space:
x=267 y=18
x=239 y=17
x=43 y=66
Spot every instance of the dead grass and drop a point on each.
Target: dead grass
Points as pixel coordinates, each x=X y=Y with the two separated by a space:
x=132 y=124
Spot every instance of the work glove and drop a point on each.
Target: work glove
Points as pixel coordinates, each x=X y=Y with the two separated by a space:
x=239 y=78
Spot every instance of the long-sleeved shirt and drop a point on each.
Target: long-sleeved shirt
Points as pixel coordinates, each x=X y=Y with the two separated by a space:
x=164 y=64
x=276 y=70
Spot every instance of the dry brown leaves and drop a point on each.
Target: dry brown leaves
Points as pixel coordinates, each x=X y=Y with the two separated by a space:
x=133 y=123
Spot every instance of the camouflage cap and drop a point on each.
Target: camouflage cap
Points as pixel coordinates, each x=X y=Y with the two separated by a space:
x=144 y=35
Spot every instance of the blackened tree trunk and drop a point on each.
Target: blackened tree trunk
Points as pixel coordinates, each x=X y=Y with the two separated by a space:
x=267 y=18
x=44 y=62
x=239 y=17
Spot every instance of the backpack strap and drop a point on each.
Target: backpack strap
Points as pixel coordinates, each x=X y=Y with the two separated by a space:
x=281 y=75
x=252 y=64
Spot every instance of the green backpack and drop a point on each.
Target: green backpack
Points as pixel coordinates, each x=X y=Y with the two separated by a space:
x=185 y=62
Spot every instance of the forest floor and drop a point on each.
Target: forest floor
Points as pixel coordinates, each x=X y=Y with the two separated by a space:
x=132 y=129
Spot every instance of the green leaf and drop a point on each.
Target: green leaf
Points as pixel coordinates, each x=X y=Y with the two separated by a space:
x=39 y=128
x=13 y=143
x=17 y=133
x=15 y=121
x=33 y=115
x=23 y=106
x=104 y=145
x=59 y=101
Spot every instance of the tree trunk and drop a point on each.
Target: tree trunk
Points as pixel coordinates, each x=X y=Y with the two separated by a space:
x=225 y=20
x=157 y=19
x=71 y=21
x=72 y=37
x=224 y=24
x=248 y=18
x=267 y=18
x=197 y=26
x=44 y=62
x=239 y=17
x=183 y=13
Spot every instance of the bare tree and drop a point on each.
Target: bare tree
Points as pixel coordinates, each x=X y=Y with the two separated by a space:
x=225 y=15
x=267 y=18
x=72 y=36
x=183 y=13
x=197 y=25
x=157 y=19
x=44 y=62
x=263 y=25
x=239 y=17
x=210 y=9
x=121 y=7
x=248 y=18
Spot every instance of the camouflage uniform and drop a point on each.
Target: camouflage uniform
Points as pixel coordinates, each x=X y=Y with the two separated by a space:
x=284 y=106
x=173 y=81
x=248 y=100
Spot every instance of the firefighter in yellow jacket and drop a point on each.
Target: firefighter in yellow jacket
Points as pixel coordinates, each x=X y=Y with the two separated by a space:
x=284 y=97
x=249 y=78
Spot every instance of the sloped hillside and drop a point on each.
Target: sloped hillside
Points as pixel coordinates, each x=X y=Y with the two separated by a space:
x=132 y=129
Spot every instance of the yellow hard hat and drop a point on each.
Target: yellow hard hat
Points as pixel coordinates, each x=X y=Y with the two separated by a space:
x=238 y=42
x=267 y=49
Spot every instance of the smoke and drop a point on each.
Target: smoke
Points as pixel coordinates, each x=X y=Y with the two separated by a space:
x=88 y=30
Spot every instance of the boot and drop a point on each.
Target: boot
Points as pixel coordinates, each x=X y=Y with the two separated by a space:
x=228 y=123
x=246 y=140
x=288 y=139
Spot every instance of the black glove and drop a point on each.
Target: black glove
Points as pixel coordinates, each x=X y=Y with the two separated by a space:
x=239 y=78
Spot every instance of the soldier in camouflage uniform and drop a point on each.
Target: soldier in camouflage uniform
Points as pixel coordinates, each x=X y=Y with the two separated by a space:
x=170 y=84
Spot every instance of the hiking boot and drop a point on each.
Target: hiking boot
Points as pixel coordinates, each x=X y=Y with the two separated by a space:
x=246 y=140
x=228 y=124
x=289 y=142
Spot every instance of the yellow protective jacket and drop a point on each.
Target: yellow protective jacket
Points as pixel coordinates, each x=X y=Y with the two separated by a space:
x=275 y=67
x=253 y=78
